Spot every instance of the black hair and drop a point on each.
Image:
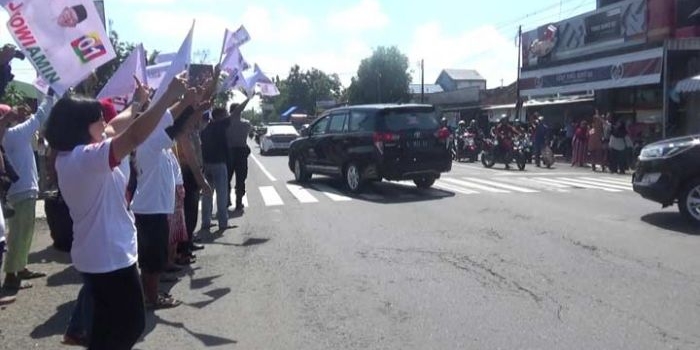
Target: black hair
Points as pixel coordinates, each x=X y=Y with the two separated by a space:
x=218 y=113
x=68 y=125
x=81 y=12
x=233 y=107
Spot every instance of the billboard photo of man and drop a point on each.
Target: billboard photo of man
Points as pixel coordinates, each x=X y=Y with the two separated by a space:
x=70 y=17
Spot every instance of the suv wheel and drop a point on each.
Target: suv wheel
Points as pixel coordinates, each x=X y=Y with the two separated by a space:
x=353 y=178
x=689 y=201
x=424 y=182
x=301 y=175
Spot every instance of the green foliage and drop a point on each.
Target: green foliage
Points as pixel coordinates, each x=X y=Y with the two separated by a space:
x=381 y=78
x=303 y=89
x=13 y=97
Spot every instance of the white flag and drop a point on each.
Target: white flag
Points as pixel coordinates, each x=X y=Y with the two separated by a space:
x=156 y=73
x=122 y=82
x=233 y=80
x=41 y=85
x=165 y=57
x=267 y=87
x=179 y=64
x=233 y=40
x=65 y=41
x=234 y=60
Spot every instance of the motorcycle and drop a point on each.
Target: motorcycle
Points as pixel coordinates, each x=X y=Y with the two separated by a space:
x=509 y=151
x=466 y=146
x=528 y=148
x=547 y=155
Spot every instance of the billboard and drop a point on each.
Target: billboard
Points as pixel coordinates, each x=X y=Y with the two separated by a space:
x=618 y=25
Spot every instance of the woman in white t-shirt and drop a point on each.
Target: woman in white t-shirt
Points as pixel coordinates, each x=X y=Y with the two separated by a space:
x=94 y=186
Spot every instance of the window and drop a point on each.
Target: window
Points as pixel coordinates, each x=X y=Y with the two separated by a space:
x=320 y=127
x=402 y=120
x=338 y=123
x=361 y=121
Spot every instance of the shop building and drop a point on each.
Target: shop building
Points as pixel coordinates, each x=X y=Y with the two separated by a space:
x=629 y=55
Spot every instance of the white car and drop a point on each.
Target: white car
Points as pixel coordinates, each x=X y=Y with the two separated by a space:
x=277 y=138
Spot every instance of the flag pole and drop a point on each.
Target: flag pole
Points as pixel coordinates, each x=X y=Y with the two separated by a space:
x=223 y=46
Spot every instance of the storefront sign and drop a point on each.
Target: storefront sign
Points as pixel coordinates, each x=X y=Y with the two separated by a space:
x=639 y=68
x=619 y=25
x=603 y=26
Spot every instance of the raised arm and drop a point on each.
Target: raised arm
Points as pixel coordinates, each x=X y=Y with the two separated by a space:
x=142 y=127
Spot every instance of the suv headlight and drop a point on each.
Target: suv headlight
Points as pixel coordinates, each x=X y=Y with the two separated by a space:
x=667 y=150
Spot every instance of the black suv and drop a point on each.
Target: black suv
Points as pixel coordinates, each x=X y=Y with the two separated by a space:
x=371 y=143
x=669 y=172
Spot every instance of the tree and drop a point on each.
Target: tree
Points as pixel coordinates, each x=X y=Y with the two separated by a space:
x=304 y=89
x=381 y=78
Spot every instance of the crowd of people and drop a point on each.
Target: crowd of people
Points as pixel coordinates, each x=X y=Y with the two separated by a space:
x=132 y=183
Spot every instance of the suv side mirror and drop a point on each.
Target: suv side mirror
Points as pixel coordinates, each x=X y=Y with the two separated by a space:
x=305 y=131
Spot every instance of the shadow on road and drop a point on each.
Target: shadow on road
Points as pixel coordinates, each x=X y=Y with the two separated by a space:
x=48 y=255
x=207 y=340
x=56 y=324
x=68 y=276
x=671 y=222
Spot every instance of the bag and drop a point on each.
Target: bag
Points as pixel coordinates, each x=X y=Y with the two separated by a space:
x=60 y=222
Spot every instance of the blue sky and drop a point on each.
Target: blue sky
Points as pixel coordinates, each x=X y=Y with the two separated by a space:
x=335 y=36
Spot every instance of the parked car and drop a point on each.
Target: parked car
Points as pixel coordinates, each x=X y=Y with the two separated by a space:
x=668 y=172
x=373 y=142
x=277 y=138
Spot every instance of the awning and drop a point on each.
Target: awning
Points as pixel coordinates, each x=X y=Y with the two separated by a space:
x=289 y=112
x=688 y=85
x=541 y=103
x=633 y=69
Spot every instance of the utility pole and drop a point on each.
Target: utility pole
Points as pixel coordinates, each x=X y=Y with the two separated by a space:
x=518 y=101
x=422 y=81
x=379 y=87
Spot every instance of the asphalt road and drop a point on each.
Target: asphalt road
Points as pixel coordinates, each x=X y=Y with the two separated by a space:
x=490 y=259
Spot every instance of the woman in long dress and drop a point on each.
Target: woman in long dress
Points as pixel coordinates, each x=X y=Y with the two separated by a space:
x=580 y=145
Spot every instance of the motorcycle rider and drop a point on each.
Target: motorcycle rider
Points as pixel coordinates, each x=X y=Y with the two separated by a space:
x=505 y=133
x=474 y=129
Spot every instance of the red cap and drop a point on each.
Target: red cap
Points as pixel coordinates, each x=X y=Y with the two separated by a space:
x=108 y=110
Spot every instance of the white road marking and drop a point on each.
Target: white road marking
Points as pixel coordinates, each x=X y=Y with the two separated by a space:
x=579 y=184
x=262 y=167
x=475 y=186
x=610 y=181
x=545 y=182
x=501 y=185
x=448 y=187
x=270 y=196
x=597 y=183
x=331 y=193
x=301 y=194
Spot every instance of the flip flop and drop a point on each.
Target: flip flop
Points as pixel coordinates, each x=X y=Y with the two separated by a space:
x=163 y=303
x=6 y=300
x=13 y=287
x=27 y=274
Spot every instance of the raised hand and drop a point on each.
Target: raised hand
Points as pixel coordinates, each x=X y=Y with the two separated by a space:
x=141 y=95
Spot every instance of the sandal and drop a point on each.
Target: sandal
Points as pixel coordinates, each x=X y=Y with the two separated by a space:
x=186 y=260
x=15 y=284
x=27 y=274
x=163 y=303
x=7 y=299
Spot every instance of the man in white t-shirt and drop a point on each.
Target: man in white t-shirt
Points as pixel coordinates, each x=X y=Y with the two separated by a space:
x=22 y=195
x=154 y=199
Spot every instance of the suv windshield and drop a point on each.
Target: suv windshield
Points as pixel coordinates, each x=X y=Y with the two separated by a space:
x=400 y=120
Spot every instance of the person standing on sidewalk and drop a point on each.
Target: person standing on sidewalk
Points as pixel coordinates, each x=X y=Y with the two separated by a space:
x=215 y=156
x=238 y=151
x=4 y=299
x=93 y=186
x=23 y=194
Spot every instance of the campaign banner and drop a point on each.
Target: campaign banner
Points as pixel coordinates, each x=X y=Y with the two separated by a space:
x=178 y=65
x=64 y=40
x=235 y=39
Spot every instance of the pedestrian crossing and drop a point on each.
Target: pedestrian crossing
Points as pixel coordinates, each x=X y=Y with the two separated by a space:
x=321 y=191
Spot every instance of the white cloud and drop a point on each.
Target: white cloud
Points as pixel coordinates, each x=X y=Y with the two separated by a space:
x=365 y=15
x=483 y=49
